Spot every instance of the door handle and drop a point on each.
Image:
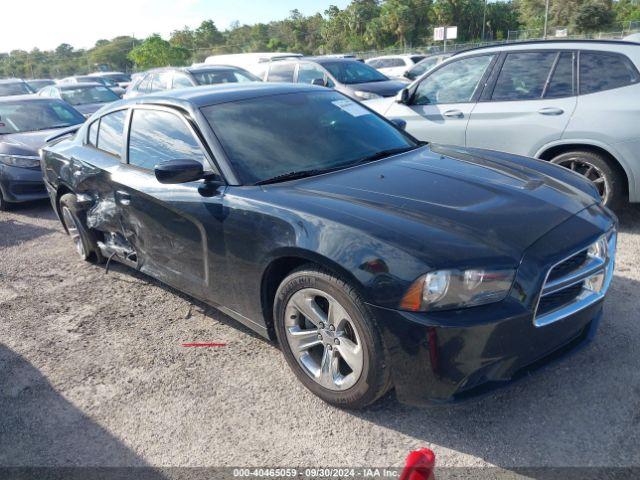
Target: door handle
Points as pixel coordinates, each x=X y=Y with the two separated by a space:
x=453 y=114
x=551 y=111
x=123 y=198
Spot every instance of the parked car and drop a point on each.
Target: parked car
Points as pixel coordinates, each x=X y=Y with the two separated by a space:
x=346 y=75
x=425 y=65
x=25 y=122
x=375 y=260
x=394 y=65
x=573 y=103
x=104 y=81
x=87 y=98
x=14 y=86
x=172 y=78
x=255 y=63
x=120 y=78
x=37 y=84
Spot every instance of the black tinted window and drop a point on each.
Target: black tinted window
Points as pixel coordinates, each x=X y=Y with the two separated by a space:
x=157 y=136
x=604 y=71
x=561 y=83
x=523 y=76
x=281 y=72
x=111 y=136
x=270 y=136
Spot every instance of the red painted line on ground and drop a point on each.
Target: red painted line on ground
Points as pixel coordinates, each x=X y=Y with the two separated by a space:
x=204 y=344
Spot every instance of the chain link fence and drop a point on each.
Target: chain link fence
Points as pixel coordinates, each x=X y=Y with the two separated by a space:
x=619 y=31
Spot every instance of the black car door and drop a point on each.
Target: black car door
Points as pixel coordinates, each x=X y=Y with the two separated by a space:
x=175 y=230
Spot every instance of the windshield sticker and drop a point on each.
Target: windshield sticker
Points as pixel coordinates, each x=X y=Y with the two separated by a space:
x=351 y=107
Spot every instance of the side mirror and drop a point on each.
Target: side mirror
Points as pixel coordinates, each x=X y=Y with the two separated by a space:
x=179 y=171
x=398 y=122
x=320 y=82
x=403 y=96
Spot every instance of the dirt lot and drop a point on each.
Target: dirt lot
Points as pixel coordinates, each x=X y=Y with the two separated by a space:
x=92 y=372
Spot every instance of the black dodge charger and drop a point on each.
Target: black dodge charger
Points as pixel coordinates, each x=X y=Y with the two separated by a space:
x=375 y=261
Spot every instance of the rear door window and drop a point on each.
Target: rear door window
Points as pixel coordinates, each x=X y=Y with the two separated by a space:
x=561 y=81
x=181 y=81
x=111 y=133
x=601 y=71
x=281 y=72
x=523 y=76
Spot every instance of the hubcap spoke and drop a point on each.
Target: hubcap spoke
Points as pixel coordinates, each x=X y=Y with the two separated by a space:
x=329 y=369
x=351 y=354
x=306 y=305
x=72 y=228
x=302 y=340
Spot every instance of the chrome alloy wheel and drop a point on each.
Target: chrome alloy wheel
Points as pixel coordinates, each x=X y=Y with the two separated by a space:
x=591 y=172
x=74 y=232
x=323 y=338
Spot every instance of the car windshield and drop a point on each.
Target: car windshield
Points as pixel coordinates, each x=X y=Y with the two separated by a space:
x=210 y=77
x=17 y=88
x=267 y=137
x=350 y=72
x=30 y=116
x=423 y=66
x=107 y=82
x=85 y=95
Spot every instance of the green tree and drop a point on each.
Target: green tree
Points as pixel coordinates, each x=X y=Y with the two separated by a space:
x=114 y=53
x=156 y=52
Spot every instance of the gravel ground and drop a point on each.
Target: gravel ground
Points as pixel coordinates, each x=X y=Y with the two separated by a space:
x=92 y=372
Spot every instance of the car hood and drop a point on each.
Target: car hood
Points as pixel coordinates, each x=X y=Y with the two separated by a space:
x=387 y=88
x=435 y=200
x=25 y=143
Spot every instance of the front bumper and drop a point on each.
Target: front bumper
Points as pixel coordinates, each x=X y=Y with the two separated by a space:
x=446 y=356
x=21 y=184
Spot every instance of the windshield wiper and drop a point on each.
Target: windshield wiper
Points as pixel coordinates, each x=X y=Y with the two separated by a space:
x=293 y=175
x=317 y=171
x=384 y=154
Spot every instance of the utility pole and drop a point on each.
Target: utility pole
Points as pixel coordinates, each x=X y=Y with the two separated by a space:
x=484 y=18
x=546 y=18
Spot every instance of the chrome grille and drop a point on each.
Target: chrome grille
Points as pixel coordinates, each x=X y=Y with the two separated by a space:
x=576 y=282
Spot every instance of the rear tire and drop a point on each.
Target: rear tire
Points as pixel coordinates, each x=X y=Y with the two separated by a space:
x=332 y=342
x=84 y=240
x=597 y=168
x=4 y=205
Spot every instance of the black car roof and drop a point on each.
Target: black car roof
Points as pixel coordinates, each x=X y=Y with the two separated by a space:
x=222 y=93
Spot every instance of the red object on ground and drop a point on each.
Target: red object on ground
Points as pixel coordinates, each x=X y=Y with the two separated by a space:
x=204 y=344
x=419 y=465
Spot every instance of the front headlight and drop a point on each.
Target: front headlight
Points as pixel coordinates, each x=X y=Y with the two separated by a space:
x=22 y=161
x=450 y=289
x=366 y=95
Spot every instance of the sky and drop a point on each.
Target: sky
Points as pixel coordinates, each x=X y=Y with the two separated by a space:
x=45 y=24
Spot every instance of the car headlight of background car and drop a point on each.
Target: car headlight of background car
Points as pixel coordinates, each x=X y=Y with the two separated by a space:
x=450 y=289
x=366 y=95
x=22 y=161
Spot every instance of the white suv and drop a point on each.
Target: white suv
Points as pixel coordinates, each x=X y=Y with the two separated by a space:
x=574 y=103
x=394 y=65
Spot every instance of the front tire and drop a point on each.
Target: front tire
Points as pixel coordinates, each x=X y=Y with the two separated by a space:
x=330 y=339
x=598 y=169
x=84 y=241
